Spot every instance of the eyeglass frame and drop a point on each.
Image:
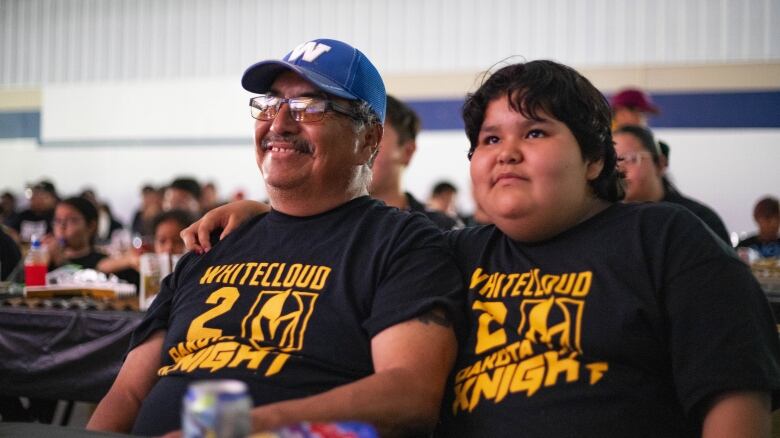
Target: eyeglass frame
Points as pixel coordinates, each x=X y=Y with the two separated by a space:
x=635 y=158
x=67 y=221
x=330 y=105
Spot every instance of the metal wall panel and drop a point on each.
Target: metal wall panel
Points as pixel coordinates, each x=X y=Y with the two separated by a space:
x=61 y=41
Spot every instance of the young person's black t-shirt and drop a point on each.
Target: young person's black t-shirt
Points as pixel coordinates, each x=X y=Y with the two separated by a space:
x=624 y=325
x=289 y=304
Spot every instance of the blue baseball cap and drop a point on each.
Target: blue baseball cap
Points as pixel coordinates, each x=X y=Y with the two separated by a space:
x=333 y=66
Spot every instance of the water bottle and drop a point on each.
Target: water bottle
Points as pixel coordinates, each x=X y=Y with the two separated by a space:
x=36 y=263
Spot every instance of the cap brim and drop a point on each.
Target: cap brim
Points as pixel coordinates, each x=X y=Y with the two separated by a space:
x=259 y=78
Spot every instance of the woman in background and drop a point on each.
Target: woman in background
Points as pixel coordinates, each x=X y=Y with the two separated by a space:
x=75 y=225
x=643 y=165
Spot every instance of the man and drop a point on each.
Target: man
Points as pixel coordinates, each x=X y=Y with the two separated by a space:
x=631 y=106
x=332 y=306
x=37 y=219
x=398 y=146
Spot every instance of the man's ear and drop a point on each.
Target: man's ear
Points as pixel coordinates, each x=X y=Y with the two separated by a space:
x=407 y=150
x=372 y=137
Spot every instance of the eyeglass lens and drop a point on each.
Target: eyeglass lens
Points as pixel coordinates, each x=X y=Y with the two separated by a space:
x=302 y=109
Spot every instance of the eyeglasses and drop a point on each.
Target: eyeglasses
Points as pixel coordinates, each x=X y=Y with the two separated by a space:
x=65 y=221
x=303 y=109
x=634 y=158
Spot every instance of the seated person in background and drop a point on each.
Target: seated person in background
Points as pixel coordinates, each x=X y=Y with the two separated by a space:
x=632 y=106
x=640 y=160
x=182 y=194
x=399 y=143
x=766 y=243
x=589 y=317
x=37 y=219
x=209 y=198
x=75 y=224
x=443 y=197
x=330 y=307
x=10 y=254
x=151 y=206
x=165 y=229
x=107 y=223
x=8 y=211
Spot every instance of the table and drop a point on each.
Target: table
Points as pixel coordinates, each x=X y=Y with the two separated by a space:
x=62 y=353
x=26 y=430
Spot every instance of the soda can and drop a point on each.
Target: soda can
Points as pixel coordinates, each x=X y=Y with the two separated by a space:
x=216 y=409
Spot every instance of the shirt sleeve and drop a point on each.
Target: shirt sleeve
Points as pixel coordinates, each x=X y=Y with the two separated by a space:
x=722 y=334
x=420 y=275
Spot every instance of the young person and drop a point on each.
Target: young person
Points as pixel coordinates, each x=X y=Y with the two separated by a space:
x=75 y=226
x=766 y=242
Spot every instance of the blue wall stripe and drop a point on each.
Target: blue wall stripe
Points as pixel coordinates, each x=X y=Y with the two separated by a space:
x=718 y=110
x=678 y=110
x=20 y=124
x=688 y=110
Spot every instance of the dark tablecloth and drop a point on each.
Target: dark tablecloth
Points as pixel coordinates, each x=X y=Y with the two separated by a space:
x=28 y=430
x=62 y=354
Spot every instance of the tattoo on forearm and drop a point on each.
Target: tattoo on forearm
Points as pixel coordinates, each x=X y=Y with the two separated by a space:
x=436 y=316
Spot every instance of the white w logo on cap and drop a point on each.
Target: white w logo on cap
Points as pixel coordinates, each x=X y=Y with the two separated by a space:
x=310 y=50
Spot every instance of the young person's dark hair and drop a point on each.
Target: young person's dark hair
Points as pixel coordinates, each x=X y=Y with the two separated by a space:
x=88 y=210
x=187 y=184
x=443 y=187
x=767 y=207
x=546 y=86
x=403 y=119
x=182 y=217
x=84 y=206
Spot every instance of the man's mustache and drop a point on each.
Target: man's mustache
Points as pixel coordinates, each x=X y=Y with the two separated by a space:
x=298 y=144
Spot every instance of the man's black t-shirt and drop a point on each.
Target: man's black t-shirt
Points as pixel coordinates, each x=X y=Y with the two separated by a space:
x=289 y=305
x=621 y=326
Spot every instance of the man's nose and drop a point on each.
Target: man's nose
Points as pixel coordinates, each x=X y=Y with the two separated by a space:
x=284 y=122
